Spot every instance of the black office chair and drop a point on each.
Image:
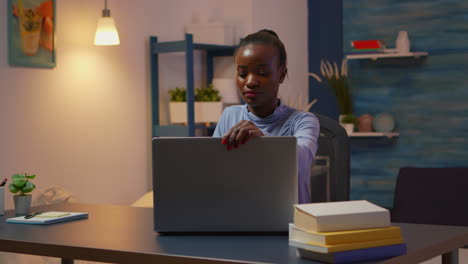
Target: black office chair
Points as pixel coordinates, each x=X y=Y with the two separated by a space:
x=434 y=196
x=330 y=177
x=431 y=196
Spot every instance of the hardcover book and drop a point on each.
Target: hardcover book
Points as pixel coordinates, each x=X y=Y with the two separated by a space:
x=358 y=255
x=336 y=216
x=320 y=248
x=367 y=44
x=341 y=237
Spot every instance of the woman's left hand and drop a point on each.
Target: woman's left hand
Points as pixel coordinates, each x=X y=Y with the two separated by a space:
x=241 y=133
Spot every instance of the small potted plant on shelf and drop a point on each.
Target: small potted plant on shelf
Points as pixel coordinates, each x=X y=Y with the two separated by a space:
x=349 y=122
x=21 y=184
x=208 y=105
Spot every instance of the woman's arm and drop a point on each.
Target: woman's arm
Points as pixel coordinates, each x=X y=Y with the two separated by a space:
x=306 y=130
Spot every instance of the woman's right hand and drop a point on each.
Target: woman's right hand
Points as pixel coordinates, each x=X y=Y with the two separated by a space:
x=240 y=134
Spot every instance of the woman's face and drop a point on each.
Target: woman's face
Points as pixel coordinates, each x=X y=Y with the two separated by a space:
x=259 y=75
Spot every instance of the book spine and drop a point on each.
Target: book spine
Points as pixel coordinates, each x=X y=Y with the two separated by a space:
x=306 y=246
x=304 y=236
x=342 y=237
x=363 y=50
x=344 y=247
x=353 y=221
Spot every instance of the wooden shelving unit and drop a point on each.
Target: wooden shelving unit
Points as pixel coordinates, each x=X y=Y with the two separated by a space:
x=187 y=46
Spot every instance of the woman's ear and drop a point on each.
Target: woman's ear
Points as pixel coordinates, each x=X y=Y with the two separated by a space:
x=283 y=73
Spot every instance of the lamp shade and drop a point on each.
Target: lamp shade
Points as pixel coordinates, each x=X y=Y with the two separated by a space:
x=106 y=32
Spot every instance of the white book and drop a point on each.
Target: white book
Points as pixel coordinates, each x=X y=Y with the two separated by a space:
x=45 y=218
x=336 y=216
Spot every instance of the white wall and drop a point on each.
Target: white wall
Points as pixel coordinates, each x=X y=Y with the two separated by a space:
x=85 y=125
x=289 y=20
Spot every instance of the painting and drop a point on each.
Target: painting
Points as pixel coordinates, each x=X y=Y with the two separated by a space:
x=31 y=33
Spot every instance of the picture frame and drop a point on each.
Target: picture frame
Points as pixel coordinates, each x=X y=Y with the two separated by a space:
x=31 y=33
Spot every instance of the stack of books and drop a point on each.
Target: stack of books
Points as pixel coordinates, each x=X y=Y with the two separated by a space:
x=344 y=232
x=367 y=46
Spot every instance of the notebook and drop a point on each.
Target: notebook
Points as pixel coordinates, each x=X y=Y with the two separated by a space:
x=200 y=186
x=46 y=218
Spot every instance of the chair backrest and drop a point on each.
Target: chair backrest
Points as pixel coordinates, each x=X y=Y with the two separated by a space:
x=431 y=196
x=330 y=177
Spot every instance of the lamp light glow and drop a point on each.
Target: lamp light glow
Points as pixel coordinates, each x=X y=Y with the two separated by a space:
x=106 y=31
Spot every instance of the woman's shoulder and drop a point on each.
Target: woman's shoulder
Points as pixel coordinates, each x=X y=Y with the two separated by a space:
x=299 y=116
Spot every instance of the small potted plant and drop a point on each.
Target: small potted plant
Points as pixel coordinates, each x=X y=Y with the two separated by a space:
x=208 y=105
x=349 y=122
x=21 y=184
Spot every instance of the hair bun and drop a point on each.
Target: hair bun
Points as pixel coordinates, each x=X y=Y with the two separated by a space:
x=269 y=31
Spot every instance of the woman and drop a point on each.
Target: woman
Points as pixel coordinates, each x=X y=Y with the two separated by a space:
x=260 y=62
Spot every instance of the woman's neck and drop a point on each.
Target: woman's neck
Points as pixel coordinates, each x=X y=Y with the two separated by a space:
x=264 y=111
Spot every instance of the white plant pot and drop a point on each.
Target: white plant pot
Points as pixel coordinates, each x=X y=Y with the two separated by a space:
x=348 y=127
x=22 y=204
x=205 y=112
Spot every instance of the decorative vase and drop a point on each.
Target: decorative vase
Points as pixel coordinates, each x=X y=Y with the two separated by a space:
x=402 y=42
x=384 y=122
x=22 y=204
x=365 y=123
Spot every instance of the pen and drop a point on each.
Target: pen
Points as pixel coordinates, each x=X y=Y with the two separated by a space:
x=31 y=215
x=3 y=182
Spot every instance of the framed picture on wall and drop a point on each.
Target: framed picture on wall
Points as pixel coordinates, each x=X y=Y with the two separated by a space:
x=31 y=33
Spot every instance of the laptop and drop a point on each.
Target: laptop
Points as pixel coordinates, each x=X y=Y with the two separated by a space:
x=200 y=186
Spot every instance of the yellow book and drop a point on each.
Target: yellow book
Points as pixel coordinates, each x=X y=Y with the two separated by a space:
x=346 y=246
x=341 y=237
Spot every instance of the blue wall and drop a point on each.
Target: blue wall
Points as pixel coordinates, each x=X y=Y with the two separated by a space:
x=325 y=37
x=428 y=97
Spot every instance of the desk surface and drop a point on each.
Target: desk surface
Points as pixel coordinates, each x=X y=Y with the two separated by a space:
x=124 y=234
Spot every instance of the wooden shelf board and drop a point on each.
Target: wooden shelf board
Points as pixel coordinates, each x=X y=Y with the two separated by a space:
x=374 y=134
x=375 y=56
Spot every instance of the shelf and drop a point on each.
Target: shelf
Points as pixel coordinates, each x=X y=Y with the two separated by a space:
x=187 y=46
x=181 y=46
x=375 y=56
x=374 y=134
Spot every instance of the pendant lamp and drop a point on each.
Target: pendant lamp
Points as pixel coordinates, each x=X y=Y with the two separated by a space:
x=106 y=32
